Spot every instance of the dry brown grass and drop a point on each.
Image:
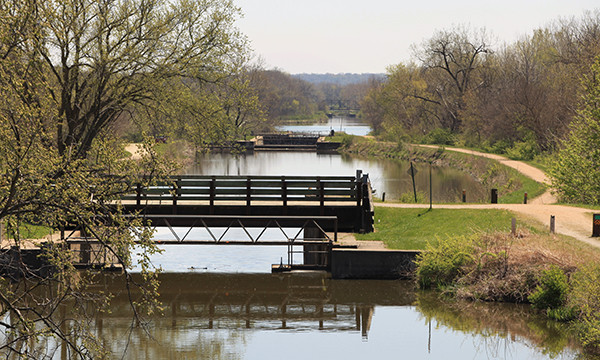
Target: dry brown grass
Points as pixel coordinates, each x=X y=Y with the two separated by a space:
x=507 y=268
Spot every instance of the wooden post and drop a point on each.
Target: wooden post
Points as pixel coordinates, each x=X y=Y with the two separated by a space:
x=358 y=185
x=212 y=196
x=284 y=194
x=248 y=195
x=138 y=195
x=494 y=196
x=175 y=196
x=552 y=224
x=321 y=188
x=513 y=227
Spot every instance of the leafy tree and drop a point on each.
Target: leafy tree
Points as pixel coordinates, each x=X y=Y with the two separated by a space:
x=68 y=70
x=576 y=169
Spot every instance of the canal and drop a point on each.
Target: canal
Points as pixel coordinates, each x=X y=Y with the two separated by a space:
x=222 y=302
x=309 y=316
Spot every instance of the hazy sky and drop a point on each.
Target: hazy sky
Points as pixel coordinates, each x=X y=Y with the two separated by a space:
x=356 y=36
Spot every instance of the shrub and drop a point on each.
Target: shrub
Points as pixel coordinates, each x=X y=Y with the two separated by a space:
x=441 y=265
x=585 y=298
x=439 y=136
x=551 y=293
x=525 y=150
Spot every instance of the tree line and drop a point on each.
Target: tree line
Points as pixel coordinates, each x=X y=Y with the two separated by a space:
x=461 y=88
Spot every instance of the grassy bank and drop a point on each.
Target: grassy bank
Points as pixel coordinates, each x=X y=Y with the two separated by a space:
x=473 y=256
x=414 y=229
x=510 y=183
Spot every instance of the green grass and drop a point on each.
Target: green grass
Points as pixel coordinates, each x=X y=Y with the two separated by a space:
x=412 y=229
x=528 y=185
x=29 y=231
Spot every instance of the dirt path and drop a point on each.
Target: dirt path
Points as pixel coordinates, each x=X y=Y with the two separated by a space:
x=525 y=169
x=570 y=221
x=136 y=151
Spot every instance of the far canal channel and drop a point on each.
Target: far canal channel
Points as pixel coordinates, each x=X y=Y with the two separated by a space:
x=221 y=302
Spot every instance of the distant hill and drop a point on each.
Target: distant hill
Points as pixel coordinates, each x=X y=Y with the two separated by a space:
x=338 y=79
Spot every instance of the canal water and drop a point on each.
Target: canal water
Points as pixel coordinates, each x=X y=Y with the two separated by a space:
x=352 y=126
x=309 y=316
x=222 y=302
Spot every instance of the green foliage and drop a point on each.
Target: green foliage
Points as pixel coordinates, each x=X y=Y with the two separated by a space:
x=551 y=293
x=523 y=150
x=441 y=265
x=439 y=136
x=585 y=298
x=576 y=169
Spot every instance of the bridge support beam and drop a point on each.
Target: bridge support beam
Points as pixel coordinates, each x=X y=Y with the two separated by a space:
x=316 y=254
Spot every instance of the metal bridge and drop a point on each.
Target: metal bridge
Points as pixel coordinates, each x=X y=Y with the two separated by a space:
x=304 y=211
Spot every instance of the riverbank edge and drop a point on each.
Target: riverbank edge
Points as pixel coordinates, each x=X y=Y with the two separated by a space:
x=510 y=183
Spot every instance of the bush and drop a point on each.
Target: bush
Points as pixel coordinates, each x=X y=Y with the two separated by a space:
x=441 y=265
x=585 y=298
x=439 y=136
x=523 y=150
x=551 y=293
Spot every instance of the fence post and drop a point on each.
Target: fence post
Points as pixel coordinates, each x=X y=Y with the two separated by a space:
x=284 y=194
x=212 y=196
x=248 y=195
x=494 y=196
x=513 y=227
x=552 y=224
x=138 y=195
x=175 y=195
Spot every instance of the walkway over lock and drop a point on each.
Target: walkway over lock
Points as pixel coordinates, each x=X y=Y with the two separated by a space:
x=347 y=198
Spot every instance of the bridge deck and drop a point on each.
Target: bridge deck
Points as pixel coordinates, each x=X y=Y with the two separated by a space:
x=348 y=198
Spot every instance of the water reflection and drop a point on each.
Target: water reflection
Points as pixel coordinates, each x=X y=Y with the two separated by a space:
x=308 y=315
x=389 y=176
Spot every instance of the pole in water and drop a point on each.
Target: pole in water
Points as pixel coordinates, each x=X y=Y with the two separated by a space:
x=430 y=189
x=412 y=175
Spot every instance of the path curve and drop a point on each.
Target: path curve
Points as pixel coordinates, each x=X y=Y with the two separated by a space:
x=525 y=169
x=571 y=221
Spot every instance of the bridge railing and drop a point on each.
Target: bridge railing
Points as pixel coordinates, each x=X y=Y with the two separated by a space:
x=249 y=189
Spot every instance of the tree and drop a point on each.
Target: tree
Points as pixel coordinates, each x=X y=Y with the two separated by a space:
x=68 y=70
x=451 y=58
x=576 y=169
x=105 y=57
